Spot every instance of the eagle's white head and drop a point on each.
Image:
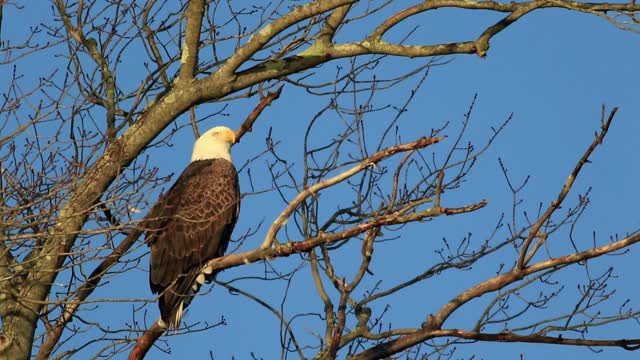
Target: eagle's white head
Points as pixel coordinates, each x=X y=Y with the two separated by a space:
x=214 y=144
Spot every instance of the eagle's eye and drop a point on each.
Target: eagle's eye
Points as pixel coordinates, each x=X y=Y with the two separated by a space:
x=215 y=134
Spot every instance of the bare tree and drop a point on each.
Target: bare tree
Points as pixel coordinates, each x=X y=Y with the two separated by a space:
x=117 y=81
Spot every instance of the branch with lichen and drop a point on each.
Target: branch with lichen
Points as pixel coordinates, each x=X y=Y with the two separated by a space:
x=322 y=51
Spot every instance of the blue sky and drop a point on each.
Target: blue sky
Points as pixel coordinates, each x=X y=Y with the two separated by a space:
x=553 y=70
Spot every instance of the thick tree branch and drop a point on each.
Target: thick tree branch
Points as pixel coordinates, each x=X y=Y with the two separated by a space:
x=631 y=344
x=512 y=7
x=321 y=52
x=260 y=39
x=191 y=43
x=145 y=341
x=333 y=22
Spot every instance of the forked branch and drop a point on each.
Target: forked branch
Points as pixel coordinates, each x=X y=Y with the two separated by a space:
x=372 y=160
x=526 y=256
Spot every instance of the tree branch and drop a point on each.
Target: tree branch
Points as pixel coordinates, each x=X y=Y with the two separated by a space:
x=91 y=46
x=333 y=22
x=386 y=349
x=144 y=342
x=260 y=39
x=191 y=43
x=374 y=159
x=83 y=292
x=247 y=124
x=524 y=258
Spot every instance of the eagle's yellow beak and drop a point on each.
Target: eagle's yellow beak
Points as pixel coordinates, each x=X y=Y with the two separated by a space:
x=230 y=136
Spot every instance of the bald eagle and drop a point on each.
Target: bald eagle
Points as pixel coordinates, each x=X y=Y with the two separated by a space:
x=192 y=223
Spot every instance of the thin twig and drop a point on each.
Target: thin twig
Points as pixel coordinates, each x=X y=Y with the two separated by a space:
x=525 y=257
x=247 y=125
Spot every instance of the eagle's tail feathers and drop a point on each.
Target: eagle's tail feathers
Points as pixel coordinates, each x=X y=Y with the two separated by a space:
x=178 y=316
x=177 y=297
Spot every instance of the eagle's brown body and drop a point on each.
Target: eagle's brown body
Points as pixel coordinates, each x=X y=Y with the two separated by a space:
x=190 y=225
